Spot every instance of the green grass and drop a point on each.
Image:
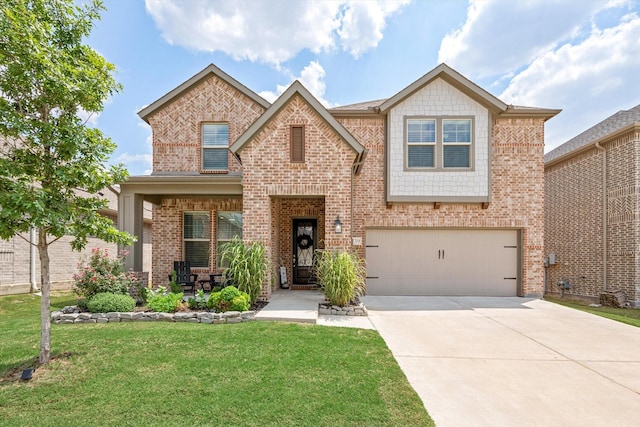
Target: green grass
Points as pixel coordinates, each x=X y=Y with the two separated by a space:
x=157 y=373
x=630 y=316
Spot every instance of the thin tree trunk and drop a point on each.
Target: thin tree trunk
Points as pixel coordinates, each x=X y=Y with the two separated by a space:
x=45 y=303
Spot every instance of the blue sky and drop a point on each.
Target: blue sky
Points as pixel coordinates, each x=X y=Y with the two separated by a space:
x=579 y=56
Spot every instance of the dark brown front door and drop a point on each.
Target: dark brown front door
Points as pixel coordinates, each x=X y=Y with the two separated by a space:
x=304 y=243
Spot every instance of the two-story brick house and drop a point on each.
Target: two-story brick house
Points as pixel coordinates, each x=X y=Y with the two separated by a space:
x=439 y=187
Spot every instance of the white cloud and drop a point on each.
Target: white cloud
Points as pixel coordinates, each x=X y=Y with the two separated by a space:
x=363 y=24
x=500 y=37
x=312 y=77
x=272 y=31
x=590 y=79
x=140 y=161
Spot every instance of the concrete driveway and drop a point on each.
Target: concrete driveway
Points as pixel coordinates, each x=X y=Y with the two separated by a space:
x=512 y=361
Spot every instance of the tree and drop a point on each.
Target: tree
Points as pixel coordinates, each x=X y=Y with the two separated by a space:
x=48 y=78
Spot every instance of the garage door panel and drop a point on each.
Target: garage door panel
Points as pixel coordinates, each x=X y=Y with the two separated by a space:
x=442 y=262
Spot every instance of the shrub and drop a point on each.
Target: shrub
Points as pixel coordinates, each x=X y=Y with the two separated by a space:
x=229 y=298
x=248 y=265
x=162 y=302
x=175 y=287
x=341 y=275
x=102 y=274
x=106 y=302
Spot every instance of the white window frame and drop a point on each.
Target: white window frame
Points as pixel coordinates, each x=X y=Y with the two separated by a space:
x=439 y=144
x=425 y=143
x=196 y=239
x=223 y=145
x=457 y=143
x=220 y=241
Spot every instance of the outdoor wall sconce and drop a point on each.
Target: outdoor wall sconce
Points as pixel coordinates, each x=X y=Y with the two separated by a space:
x=338 y=225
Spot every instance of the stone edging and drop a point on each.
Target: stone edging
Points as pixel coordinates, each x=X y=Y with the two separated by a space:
x=328 y=309
x=62 y=317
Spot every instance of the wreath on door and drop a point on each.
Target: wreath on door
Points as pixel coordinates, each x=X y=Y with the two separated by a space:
x=304 y=241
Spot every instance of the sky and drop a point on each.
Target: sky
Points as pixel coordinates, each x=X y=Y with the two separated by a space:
x=579 y=56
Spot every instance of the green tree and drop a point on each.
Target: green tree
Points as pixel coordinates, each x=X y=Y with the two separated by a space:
x=48 y=78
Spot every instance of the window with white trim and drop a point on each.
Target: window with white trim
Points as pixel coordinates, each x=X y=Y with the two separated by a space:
x=228 y=227
x=215 y=146
x=439 y=143
x=456 y=143
x=421 y=143
x=196 y=236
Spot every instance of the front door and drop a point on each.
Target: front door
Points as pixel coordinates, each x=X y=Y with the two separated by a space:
x=304 y=241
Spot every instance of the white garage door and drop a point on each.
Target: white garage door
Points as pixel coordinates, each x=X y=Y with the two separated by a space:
x=442 y=262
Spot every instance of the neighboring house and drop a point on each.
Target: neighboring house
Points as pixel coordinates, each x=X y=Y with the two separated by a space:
x=592 y=209
x=20 y=263
x=439 y=187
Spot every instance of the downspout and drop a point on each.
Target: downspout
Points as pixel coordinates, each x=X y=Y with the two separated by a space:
x=32 y=260
x=604 y=215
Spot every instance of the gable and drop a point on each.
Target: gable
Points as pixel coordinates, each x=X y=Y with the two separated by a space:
x=210 y=70
x=438 y=102
x=298 y=90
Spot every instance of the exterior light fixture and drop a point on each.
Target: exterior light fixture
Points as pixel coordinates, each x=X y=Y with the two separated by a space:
x=338 y=225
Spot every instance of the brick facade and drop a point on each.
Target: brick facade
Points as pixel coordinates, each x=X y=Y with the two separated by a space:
x=275 y=190
x=574 y=219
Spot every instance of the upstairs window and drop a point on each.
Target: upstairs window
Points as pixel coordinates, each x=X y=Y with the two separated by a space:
x=215 y=146
x=297 y=144
x=439 y=143
x=421 y=143
x=456 y=143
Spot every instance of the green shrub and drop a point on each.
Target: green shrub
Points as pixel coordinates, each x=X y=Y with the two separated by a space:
x=175 y=287
x=162 y=301
x=229 y=299
x=247 y=265
x=341 y=274
x=102 y=274
x=107 y=302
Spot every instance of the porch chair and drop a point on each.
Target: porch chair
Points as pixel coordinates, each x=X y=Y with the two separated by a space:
x=184 y=276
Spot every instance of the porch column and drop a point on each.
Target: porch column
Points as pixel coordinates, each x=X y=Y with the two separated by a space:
x=130 y=219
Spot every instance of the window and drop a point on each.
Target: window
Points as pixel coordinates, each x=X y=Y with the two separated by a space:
x=229 y=226
x=195 y=235
x=456 y=143
x=421 y=140
x=297 y=144
x=439 y=143
x=215 y=146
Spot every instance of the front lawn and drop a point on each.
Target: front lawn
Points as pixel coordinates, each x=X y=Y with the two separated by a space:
x=157 y=373
x=630 y=316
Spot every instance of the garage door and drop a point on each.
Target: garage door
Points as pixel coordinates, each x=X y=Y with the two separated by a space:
x=442 y=262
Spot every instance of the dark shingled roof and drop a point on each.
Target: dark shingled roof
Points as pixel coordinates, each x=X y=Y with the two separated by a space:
x=619 y=120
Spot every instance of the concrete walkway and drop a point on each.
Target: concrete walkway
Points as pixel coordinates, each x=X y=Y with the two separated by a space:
x=512 y=361
x=302 y=306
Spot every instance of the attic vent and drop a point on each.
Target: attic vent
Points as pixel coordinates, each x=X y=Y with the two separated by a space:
x=297 y=144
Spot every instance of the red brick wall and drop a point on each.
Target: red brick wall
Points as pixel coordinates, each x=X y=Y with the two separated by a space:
x=167 y=232
x=269 y=174
x=176 y=127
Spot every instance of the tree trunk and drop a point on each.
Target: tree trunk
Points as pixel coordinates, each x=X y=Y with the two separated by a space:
x=45 y=303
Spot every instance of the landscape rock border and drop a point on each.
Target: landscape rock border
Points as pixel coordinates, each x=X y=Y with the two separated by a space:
x=71 y=314
x=325 y=308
